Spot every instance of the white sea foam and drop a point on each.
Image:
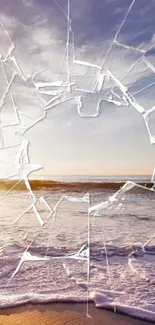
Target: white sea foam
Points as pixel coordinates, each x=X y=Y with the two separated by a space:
x=128 y=288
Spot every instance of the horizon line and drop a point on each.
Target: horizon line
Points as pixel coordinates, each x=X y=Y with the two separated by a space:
x=87 y=175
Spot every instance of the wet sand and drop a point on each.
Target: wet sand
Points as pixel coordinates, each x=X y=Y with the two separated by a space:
x=64 y=314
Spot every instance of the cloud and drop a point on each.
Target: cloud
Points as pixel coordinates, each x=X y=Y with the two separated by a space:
x=39 y=32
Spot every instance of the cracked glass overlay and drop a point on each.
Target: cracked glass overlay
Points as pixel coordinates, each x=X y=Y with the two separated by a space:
x=99 y=83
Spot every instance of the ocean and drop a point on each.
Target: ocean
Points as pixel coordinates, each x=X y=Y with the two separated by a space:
x=106 y=256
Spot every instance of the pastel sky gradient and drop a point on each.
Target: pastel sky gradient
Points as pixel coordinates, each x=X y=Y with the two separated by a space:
x=116 y=142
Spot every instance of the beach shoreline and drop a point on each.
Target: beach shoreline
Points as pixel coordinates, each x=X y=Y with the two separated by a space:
x=64 y=314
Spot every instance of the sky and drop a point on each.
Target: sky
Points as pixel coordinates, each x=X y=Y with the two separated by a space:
x=116 y=142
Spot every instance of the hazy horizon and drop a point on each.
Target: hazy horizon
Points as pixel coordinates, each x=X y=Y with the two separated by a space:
x=91 y=177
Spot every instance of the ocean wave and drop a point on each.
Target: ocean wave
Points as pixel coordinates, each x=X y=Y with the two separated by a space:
x=97 y=251
x=100 y=300
x=56 y=185
x=74 y=290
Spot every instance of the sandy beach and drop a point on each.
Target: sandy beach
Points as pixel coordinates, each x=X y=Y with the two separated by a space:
x=63 y=314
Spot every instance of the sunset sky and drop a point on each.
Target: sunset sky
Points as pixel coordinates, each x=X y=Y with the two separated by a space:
x=115 y=143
